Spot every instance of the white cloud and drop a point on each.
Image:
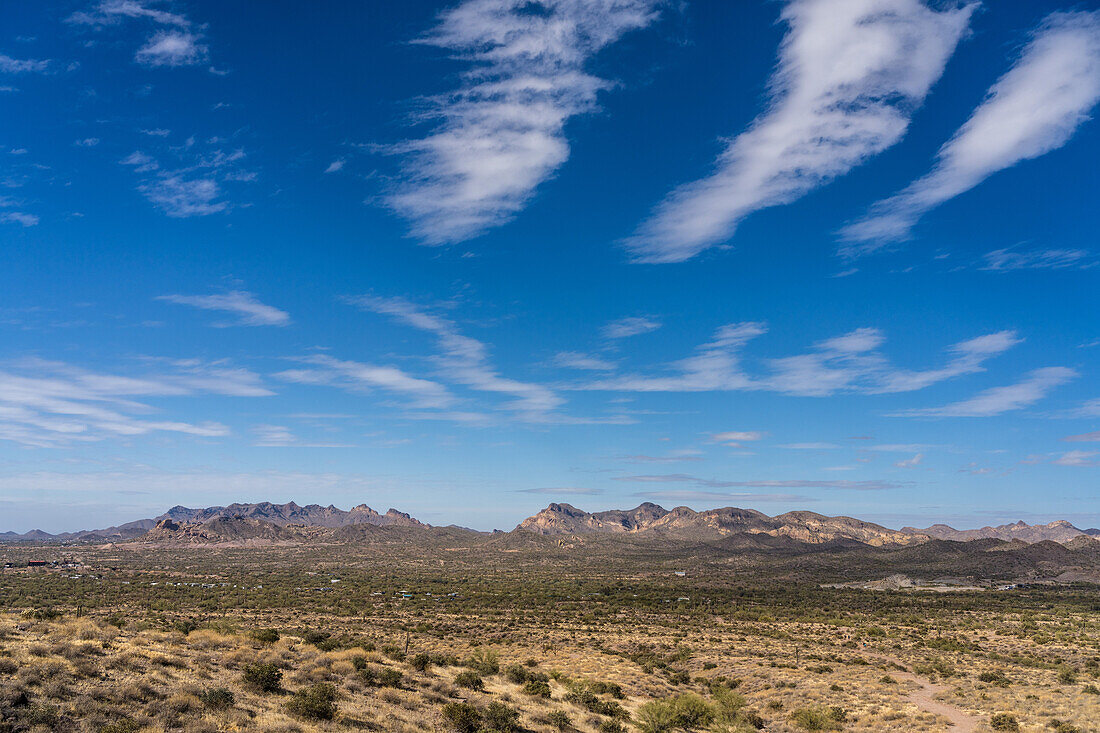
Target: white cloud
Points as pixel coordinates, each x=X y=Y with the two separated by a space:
x=734 y=438
x=172 y=48
x=999 y=400
x=848 y=363
x=88 y=142
x=194 y=188
x=8 y=65
x=336 y=165
x=1078 y=458
x=1093 y=437
x=46 y=404
x=110 y=12
x=1033 y=109
x=1005 y=260
x=577 y=360
x=280 y=436
x=631 y=326
x=810 y=446
x=711 y=496
x=502 y=133
x=249 y=310
x=359 y=376
x=19 y=217
x=769 y=483
x=910 y=462
x=465 y=361
x=850 y=74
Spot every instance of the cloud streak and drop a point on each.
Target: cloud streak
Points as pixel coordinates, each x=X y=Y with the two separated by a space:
x=502 y=133
x=998 y=400
x=848 y=363
x=683 y=478
x=1035 y=108
x=849 y=76
x=248 y=309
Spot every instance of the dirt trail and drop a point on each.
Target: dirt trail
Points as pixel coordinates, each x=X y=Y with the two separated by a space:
x=924 y=698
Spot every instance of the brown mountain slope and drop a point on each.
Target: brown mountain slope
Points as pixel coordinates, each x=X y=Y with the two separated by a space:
x=682 y=522
x=1059 y=531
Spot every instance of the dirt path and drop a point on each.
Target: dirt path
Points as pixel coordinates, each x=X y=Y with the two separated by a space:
x=924 y=698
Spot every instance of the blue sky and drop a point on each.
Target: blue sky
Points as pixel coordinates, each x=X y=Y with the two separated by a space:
x=467 y=258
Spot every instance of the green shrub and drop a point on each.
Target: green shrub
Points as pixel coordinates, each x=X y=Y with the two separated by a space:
x=420 y=662
x=316 y=702
x=217 y=698
x=470 y=679
x=754 y=719
x=500 y=717
x=265 y=636
x=1062 y=727
x=993 y=677
x=1067 y=675
x=1004 y=721
x=560 y=720
x=814 y=719
x=608 y=688
x=537 y=688
x=656 y=716
x=692 y=711
x=516 y=673
x=390 y=677
x=462 y=716
x=485 y=661
x=611 y=726
x=42 y=714
x=1091 y=690
x=264 y=677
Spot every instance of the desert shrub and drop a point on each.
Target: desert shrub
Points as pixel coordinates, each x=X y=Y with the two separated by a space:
x=462 y=716
x=656 y=716
x=264 y=677
x=582 y=694
x=1091 y=690
x=993 y=677
x=754 y=719
x=265 y=636
x=516 y=673
x=692 y=711
x=1067 y=675
x=316 y=702
x=536 y=688
x=443 y=659
x=500 y=717
x=420 y=662
x=217 y=698
x=390 y=677
x=611 y=726
x=121 y=726
x=559 y=719
x=42 y=714
x=43 y=614
x=485 y=661
x=727 y=702
x=470 y=679
x=185 y=625
x=608 y=688
x=1004 y=721
x=1059 y=726
x=360 y=663
x=814 y=719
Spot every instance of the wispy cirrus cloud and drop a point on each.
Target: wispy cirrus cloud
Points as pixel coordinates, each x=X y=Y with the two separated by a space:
x=502 y=133
x=998 y=400
x=1078 y=458
x=586 y=362
x=191 y=182
x=175 y=42
x=848 y=363
x=849 y=76
x=630 y=326
x=1093 y=437
x=710 y=496
x=172 y=48
x=1035 y=108
x=46 y=404
x=562 y=491
x=465 y=361
x=1007 y=260
x=9 y=65
x=246 y=306
x=683 y=478
x=357 y=376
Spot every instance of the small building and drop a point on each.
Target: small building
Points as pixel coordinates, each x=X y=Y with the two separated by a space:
x=36 y=563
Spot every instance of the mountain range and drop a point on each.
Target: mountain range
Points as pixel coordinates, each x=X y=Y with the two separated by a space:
x=288 y=522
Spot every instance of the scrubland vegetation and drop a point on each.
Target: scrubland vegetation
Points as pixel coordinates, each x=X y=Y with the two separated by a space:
x=206 y=639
